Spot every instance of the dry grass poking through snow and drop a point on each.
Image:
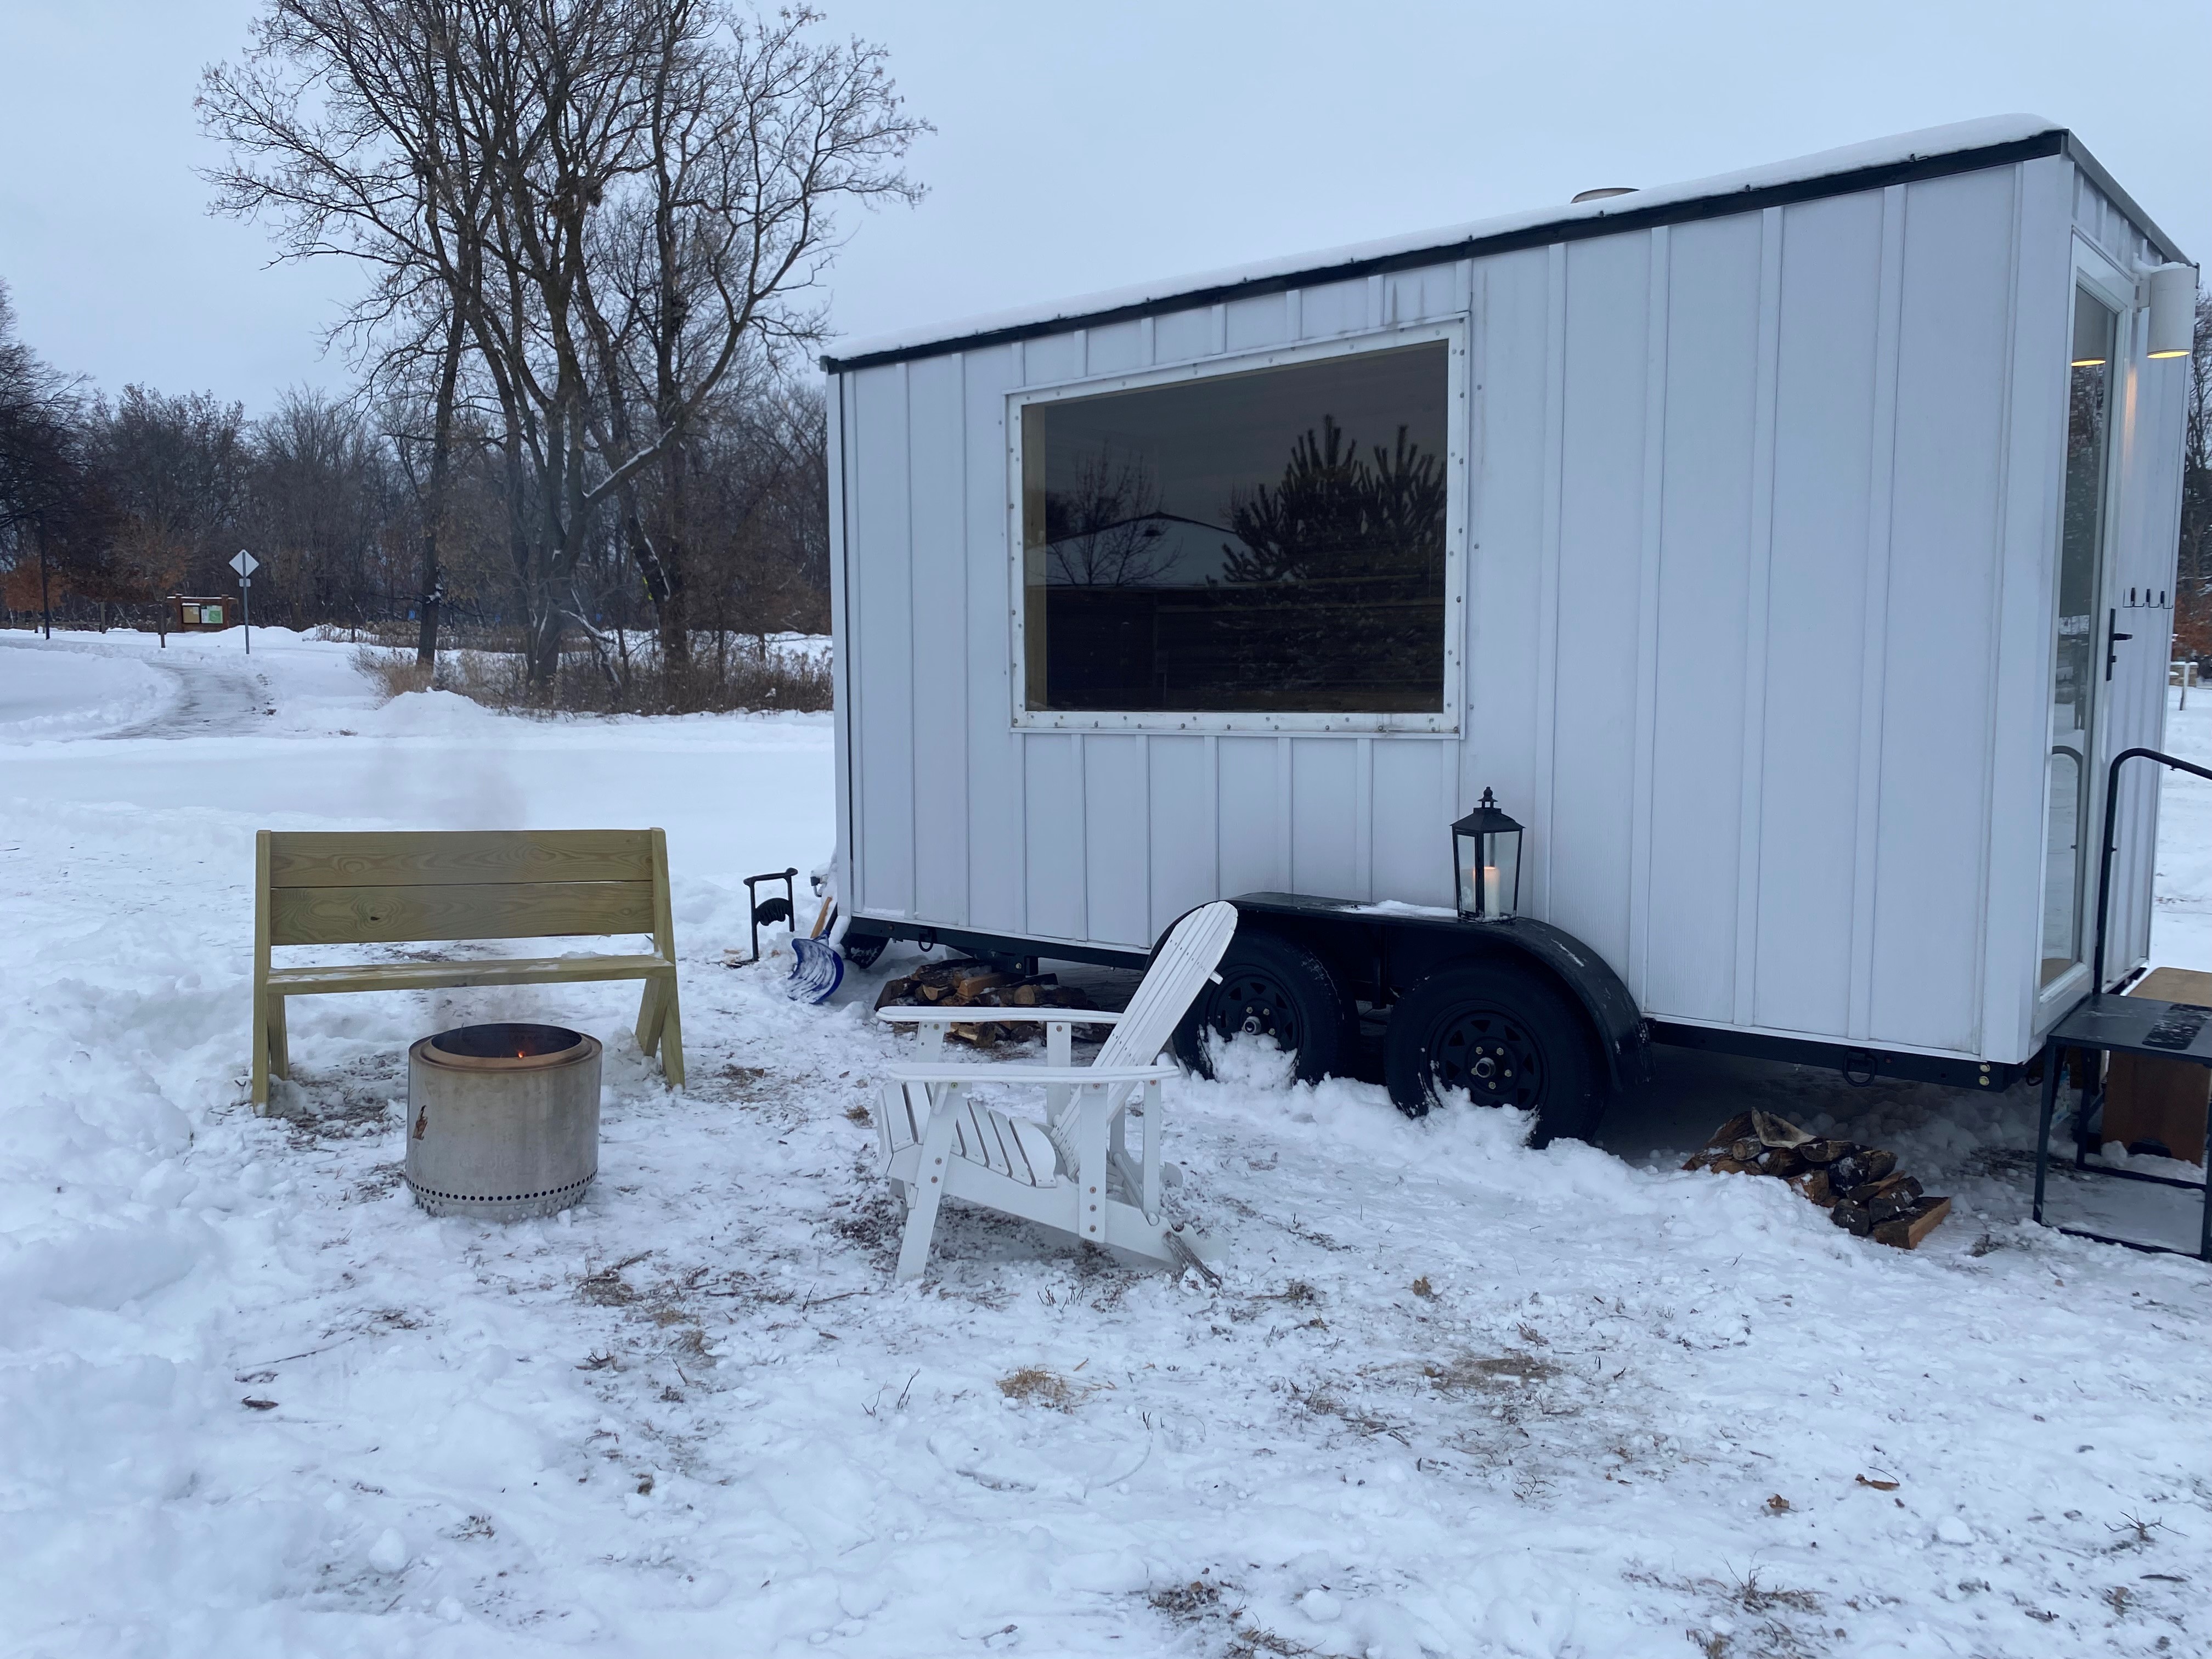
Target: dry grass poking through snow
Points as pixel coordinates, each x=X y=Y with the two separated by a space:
x=1033 y=1385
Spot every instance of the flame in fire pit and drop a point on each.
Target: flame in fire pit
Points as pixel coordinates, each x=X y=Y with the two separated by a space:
x=506 y=1041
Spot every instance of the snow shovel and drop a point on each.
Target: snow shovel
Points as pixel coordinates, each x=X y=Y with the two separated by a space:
x=817 y=968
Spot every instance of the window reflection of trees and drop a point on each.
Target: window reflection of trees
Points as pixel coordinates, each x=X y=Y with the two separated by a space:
x=1336 y=515
x=1188 y=561
x=1106 y=529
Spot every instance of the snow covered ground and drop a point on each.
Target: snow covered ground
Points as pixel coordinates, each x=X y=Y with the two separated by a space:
x=1455 y=1397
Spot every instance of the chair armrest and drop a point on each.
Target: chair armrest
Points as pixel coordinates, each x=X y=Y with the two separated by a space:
x=1014 y=1071
x=989 y=1016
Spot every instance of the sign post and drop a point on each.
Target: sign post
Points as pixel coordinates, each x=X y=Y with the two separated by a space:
x=245 y=564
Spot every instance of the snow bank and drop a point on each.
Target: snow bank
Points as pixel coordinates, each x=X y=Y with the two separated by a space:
x=48 y=692
x=1454 y=1396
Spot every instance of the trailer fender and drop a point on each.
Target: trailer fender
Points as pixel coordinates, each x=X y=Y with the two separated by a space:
x=1381 y=952
x=1622 y=1036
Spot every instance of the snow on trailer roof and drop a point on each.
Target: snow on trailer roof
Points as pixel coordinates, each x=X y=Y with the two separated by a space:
x=1932 y=152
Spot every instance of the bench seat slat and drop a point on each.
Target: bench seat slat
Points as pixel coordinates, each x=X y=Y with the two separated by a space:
x=514 y=910
x=455 y=858
x=448 y=975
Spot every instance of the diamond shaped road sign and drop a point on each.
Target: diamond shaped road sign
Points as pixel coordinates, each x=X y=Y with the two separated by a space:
x=245 y=564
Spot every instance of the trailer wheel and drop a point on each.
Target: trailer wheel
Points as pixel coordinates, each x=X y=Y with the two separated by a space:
x=1507 y=1038
x=1271 y=988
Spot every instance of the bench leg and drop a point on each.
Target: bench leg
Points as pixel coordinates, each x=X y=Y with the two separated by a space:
x=660 y=1026
x=671 y=1039
x=261 y=1001
x=648 y=1016
x=280 y=1045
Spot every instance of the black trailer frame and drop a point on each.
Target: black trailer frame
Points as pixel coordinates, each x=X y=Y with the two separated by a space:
x=1379 y=951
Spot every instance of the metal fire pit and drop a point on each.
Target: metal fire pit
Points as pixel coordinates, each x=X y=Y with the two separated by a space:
x=502 y=1120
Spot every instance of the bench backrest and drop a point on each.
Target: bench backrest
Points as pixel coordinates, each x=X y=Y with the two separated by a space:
x=400 y=886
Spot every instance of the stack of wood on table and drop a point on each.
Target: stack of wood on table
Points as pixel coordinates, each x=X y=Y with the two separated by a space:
x=966 y=984
x=1859 y=1186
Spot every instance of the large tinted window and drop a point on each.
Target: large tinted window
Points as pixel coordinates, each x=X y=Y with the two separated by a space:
x=1270 y=541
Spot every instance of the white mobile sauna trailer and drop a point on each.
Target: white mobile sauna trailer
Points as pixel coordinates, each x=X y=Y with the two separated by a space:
x=1786 y=551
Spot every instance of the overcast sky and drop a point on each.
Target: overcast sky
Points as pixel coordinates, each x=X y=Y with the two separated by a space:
x=1081 y=147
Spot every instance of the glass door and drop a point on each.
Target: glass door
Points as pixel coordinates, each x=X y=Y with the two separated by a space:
x=2078 y=667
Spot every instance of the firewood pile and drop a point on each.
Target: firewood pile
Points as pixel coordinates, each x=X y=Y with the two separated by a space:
x=967 y=984
x=1860 y=1187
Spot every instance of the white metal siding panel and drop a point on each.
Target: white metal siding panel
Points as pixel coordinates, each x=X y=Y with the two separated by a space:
x=1181 y=335
x=1115 y=349
x=2147 y=490
x=936 y=509
x=1263 y=321
x=1703 y=581
x=1333 y=308
x=1054 y=825
x=1181 y=796
x=1052 y=358
x=883 y=641
x=1507 y=567
x=2042 y=309
x=1601 y=547
x=1115 y=798
x=1324 y=818
x=1414 y=787
x=842 y=462
x=997 y=847
x=1954 y=352
x=1249 y=786
x=1411 y=296
x=1815 y=619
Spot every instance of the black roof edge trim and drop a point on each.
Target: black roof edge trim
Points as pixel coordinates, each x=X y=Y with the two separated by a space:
x=2057 y=140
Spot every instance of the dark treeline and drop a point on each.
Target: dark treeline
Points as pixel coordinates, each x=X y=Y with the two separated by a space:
x=592 y=234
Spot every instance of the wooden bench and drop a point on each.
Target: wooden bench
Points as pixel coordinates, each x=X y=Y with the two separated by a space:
x=407 y=887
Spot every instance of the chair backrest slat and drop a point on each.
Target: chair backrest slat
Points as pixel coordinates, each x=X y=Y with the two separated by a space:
x=1171 y=985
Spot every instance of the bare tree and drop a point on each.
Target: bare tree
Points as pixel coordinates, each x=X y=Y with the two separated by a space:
x=41 y=464
x=618 y=199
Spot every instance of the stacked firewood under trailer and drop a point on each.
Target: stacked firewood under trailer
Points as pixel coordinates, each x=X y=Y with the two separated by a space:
x=1784 y=556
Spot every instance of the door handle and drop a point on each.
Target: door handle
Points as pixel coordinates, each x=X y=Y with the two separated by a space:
x=2112 y=638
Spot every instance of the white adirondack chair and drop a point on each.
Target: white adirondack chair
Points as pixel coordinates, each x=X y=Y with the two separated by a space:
x=1070 y=1170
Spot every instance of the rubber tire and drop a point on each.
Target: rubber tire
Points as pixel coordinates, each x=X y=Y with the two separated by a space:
x=1272 y=986
x=861 y=950
x=1539 y=1024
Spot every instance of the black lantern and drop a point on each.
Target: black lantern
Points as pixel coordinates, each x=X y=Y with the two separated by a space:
x=1487 y=853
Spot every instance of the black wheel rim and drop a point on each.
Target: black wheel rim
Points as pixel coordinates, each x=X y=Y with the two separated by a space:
x=1488 y=1051
x=1250 y=1002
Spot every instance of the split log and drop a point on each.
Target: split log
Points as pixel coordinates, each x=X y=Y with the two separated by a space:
x=1782 y=1161
x=1852 y=1216
x=1826 y=1152
x=1867 y=1192
x=1906 y=1232
x=1777 y=1131
x=1815 y=1186
x=1735 y=1129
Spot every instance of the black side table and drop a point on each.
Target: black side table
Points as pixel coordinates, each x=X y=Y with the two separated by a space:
x=2123 y=1026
